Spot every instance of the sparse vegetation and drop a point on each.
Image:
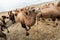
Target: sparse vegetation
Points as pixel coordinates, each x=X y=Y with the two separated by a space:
x=42 y=31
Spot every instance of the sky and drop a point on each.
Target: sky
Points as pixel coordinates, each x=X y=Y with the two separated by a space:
x=6 y=5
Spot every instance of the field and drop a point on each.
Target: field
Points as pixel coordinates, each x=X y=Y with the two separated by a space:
x=42 y=31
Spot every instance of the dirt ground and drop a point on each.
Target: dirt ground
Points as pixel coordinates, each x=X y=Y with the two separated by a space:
x=42 y=31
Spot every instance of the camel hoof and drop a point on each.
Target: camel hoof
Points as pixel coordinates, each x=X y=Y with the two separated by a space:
x=27 y=34
x=7 y=31
x=56 y=24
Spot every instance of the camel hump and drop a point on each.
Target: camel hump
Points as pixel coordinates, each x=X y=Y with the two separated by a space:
x=58 y=4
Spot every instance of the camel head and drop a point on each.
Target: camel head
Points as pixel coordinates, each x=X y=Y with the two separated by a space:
x=35 y=10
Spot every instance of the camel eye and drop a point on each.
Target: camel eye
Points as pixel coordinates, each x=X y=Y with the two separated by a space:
x=15 y=14
x=33 y=10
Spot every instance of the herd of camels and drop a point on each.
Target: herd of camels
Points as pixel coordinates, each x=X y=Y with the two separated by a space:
x=31 y=15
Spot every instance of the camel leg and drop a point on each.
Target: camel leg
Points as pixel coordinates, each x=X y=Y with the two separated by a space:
x=54 y=19
x=36 y=22
x=27 y=33
x=29 y=27
x=54 y=24
x=7 y=30
x=24 y=26
x=4 y=22
x=4 y=26
x=3 y=35
x=37 y=19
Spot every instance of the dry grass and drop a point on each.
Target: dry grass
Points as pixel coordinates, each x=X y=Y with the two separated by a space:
x=42 y=31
